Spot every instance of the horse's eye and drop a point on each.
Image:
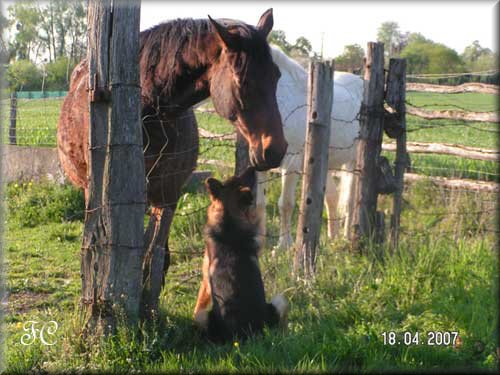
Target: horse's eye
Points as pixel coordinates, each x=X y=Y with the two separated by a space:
x=232 y=117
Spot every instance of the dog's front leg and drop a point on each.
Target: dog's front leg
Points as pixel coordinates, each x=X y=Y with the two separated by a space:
x=204 y=294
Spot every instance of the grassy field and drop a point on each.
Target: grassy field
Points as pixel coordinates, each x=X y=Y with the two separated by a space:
x=443 y=279
x=37 y=123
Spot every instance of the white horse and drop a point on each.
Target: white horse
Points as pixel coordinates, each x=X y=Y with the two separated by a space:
x=292 y=103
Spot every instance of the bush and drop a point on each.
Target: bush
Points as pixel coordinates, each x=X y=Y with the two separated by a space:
x=58 y=73
x=32 y=204
x=23 y=75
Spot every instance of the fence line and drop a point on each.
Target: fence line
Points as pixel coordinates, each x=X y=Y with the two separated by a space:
x=450 y=75
x=226 y=140
x=466 y=152
x=453 y=115
x=483 y=88
x=465 y=184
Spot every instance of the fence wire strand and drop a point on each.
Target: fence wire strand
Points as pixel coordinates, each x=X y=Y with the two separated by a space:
x=36 y=126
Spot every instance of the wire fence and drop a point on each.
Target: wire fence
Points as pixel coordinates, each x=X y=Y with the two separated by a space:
x=460 y=212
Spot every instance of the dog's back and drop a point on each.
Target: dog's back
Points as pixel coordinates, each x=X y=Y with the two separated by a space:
x=238 y=297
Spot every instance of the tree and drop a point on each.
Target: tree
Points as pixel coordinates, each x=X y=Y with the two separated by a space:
x=23 y=75
x=302 y=46
x=77 y=30
x=57 y=74
x=47 y=34
x=351 y=60
x=278 y=38
x=416 y=57
x=26 y=17
x=58 y=28
x=477 y=58
x=417 y=37
x=4 y=48
x=388 y=33
x=429 y=57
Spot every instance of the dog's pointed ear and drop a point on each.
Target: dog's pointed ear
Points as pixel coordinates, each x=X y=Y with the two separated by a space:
x=266 y=22
x=214 y=187
x=248 y=177
x=230 y=40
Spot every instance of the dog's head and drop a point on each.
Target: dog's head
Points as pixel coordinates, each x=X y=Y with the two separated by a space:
x=232 y=200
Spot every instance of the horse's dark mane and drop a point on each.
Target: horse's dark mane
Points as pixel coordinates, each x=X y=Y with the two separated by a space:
x=164 y=42
x=161 y=45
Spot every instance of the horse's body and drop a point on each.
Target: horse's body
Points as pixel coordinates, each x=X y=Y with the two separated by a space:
x=292 y=101
x=183 y=62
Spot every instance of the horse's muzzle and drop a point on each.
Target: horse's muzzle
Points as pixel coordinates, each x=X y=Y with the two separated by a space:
x=270 y=158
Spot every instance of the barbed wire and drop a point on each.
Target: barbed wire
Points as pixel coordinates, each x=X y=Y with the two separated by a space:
x=45 y=135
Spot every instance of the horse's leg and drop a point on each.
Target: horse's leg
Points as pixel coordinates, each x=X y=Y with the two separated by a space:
x=157 y=257
x=204 y=295
x=260 y=207
x=346 y=195
x=286 y=204
x=170 y=217
x=331 y=200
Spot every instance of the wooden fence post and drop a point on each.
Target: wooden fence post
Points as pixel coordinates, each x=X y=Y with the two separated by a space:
x=112 y=249
x=395 y=97
x=320 y=99
x=13 y=118
x=369 y=144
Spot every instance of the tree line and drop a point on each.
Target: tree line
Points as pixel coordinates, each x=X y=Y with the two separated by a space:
x=47 y=40
x=423 y=55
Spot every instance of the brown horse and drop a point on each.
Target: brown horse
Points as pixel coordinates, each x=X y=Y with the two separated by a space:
x=182 y=62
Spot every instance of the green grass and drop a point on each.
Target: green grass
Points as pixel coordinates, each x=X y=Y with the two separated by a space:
x=443 y=278
x=36 y=122
x=474 y=134
x=475 y=102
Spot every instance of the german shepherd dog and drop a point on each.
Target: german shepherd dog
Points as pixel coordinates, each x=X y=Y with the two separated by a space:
x=232 y=281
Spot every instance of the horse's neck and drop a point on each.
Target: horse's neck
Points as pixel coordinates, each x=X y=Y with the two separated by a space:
x=290 y=93
x=292 y=86
x=190 y=77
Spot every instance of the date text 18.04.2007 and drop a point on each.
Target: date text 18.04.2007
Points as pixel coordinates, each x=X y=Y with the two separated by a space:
x=432 y=338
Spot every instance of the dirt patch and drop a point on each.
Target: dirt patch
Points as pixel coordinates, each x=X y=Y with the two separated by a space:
x=22 y=302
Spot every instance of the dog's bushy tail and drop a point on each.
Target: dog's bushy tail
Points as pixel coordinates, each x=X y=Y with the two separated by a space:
x=278 y=311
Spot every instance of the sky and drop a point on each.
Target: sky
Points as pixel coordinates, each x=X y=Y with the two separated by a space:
x=338 y=23
x=454 y=23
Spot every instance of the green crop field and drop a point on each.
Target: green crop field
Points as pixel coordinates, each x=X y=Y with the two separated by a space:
x=443 y=278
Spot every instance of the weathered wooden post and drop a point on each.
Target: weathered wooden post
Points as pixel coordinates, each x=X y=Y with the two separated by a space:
x=13 y=118
x=369 y=144
x=395 y=97
x=320 y=99
x=112 y=250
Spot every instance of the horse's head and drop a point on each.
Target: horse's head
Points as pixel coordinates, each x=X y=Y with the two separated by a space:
x=243 y=88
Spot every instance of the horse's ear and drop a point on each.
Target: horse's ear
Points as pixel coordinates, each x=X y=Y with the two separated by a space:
x=266 y=22
x=231 y=41
x=248 y=178
x=214 y=187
